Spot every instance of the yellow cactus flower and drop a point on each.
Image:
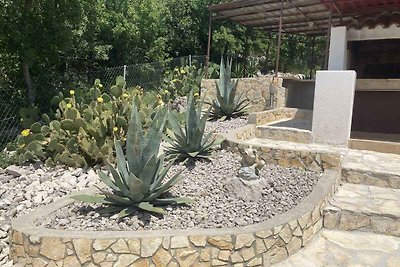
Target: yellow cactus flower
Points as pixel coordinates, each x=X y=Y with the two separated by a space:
x=26 y=132
x=115 y=129
x=161 y=103
x=125 y=95
x=196 y=95
x=166 y=92
x=100 y=85
x=69 y=105
x=71 y=92
x=100 y=99
x=22 y=146
x=183 y=71
x=174 y=80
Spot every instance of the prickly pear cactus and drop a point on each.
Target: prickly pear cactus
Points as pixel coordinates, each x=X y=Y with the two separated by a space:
x=82 y=133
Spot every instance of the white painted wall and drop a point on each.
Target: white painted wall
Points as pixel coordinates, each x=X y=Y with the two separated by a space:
x=333 y=107
x=338 y=49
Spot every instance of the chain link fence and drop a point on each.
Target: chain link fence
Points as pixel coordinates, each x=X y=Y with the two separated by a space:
x=13 y=96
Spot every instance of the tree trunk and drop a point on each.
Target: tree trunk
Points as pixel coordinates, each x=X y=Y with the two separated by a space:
x=28 y=82
x=25 y=65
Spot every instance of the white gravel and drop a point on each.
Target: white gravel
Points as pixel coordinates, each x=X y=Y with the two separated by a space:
x=226 y=126
x=25 y=188
x=221 y=200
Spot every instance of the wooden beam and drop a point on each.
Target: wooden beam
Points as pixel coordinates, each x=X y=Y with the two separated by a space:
x=304 y=14
x=278 y=51
x=236 y=4
x=273 y=7
x=328 y=38
x=322 y=23
x=273 y=17
x=336 y=7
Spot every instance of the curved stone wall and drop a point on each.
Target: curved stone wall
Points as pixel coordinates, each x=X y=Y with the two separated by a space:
x=261 y=244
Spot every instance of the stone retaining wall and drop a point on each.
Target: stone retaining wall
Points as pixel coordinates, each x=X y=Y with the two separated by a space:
x=257 y=90
x=303 y=157
x=269 y=116
x=261 y=244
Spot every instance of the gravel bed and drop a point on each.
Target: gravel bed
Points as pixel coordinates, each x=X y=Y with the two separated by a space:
x=226 y=126
x=221 y=200
x=25 y=188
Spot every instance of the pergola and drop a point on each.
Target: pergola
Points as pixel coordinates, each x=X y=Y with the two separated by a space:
x=308 y=17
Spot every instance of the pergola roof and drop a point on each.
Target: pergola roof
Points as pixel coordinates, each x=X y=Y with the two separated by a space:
x=308 y=16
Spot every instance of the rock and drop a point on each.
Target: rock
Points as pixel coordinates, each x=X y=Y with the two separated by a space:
x=150 y=246
x=16 y=171
x=245 y=190
x=179 y=242
x=83 y=249
x=179 y=104
x=52 y=248
x=244 y=240
x=248 y=157
x=248 y=173
x=221 y=242
x=162 y=258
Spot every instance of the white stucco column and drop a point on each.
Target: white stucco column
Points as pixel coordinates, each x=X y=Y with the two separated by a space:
x=333 y=107
x=338 y=49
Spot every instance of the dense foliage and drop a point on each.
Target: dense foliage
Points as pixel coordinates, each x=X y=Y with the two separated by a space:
x=138 y=181
x=63 y=38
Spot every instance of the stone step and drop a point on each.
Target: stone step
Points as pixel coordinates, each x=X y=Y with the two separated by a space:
x=284 y=134
x=364 y=208
x=371 y=168
x=341 y=248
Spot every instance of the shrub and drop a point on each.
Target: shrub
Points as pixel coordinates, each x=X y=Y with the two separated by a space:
x=138 y=180
x=80 y=134
x=181 y=81
x=189 y=142
x=228 y=104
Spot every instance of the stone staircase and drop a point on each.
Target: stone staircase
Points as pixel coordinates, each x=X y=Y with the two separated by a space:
x=289 y=130
x=369 y=199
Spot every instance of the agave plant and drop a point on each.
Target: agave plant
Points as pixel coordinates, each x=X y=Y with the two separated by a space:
x=228 y=104
x=137 y=183
x=189 y=141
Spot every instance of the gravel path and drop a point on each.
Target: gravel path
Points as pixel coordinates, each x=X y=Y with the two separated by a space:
x=221 y=200
x=226 y=126
x=25 y=188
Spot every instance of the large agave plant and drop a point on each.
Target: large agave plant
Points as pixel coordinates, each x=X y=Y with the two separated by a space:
x=138 y=180
x=189 y=141
x=228 y=104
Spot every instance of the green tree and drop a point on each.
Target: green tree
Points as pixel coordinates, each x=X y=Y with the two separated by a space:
x=38 y=33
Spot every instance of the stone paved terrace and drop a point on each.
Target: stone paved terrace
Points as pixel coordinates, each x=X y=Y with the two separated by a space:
x=368 y=161
x=337 y=248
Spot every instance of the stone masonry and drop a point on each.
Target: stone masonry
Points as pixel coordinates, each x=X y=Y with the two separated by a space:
x=257 y=90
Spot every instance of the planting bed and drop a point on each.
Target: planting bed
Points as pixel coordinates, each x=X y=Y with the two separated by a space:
x=220 y=200
x=223 y=127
